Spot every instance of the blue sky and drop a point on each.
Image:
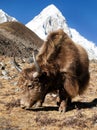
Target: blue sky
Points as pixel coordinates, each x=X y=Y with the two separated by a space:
x=80 y=14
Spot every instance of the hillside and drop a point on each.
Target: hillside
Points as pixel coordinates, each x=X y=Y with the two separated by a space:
x=17 y=39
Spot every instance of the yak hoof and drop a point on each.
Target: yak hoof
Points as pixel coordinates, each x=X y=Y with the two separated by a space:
x=62 y=108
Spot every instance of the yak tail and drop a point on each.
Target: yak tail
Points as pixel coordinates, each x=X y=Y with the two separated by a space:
x=71 y=86
x=84 y=83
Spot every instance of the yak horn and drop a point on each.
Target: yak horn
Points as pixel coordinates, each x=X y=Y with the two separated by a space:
x=35 y=62
x=17 y=66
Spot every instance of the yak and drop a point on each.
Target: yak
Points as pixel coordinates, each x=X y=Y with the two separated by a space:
x=61 y=65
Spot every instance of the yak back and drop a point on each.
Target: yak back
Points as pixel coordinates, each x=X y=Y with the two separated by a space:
x=59 y=50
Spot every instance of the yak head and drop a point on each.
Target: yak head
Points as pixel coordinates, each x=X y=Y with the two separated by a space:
x=32 y=89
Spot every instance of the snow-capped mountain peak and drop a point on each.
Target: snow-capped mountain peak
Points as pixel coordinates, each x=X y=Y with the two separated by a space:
x=51 y=19
x=48 y=20
x=4 y=17
x=51 y=9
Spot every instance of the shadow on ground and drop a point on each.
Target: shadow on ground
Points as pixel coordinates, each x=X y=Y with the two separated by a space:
x=82 y=105
x=73 y=105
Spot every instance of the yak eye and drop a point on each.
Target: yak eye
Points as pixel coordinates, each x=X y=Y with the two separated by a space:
x=30 y=87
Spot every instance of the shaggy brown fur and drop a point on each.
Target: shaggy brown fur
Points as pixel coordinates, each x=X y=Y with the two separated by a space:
x=64 y=67
x=59 y=50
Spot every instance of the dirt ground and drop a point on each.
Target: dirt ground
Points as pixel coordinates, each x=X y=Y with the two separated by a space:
x=81 y=115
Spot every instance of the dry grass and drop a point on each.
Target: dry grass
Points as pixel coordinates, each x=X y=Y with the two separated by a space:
x=81 y=115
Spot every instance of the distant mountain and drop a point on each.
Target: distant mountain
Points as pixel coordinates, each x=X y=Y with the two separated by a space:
x=4 y=17
x=16 y=39
x=51 y=19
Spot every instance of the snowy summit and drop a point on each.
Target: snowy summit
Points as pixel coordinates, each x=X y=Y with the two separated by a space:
x=48 y=20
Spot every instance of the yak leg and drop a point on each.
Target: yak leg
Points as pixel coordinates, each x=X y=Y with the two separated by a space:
x=70 y=89
x=64 y=100
x=40 y=102
x=62 y=107
x=68 y=101
x=58 y=101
